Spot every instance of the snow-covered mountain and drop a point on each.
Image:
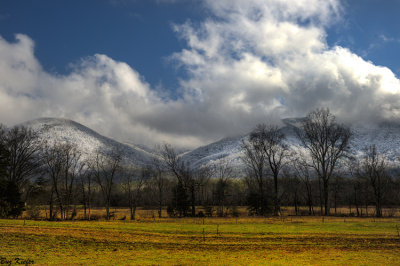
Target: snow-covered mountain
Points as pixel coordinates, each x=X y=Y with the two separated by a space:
x=385 y=136
x=230 y=149
x=87 y=140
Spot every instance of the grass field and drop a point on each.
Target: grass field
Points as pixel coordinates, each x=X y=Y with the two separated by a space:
x=297 y=240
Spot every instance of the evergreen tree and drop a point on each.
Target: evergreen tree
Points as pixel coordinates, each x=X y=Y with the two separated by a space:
x=10 y=199
x=180 y=200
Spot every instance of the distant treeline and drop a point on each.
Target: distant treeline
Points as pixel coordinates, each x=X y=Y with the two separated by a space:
x=322 y=174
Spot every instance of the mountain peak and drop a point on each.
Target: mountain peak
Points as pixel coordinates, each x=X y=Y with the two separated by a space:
x=87 y=140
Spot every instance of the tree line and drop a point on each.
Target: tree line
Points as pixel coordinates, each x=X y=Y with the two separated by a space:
x=321 y=174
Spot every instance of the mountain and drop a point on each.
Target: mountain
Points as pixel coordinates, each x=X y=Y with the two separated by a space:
x=230 y=149
x=225 y=149
x=386 y=137
x=87 y=140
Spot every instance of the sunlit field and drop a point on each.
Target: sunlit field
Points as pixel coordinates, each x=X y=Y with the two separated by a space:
x=243 y=240
x=241 y=211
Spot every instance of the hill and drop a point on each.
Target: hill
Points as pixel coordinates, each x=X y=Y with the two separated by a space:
x=386 y=136
x=87 y=140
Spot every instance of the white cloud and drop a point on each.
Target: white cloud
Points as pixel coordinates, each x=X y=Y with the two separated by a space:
x=249 y=62
x=272 y=57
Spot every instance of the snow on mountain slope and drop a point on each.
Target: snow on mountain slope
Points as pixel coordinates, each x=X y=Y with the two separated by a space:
x=87 y=140
x=385 y=136
x=227 y=148
x=230 y=149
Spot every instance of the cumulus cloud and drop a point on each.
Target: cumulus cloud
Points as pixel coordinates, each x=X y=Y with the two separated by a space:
x=271 y=57
x=248 y=62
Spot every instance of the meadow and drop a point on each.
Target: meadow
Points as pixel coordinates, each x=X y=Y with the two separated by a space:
x=196 y=241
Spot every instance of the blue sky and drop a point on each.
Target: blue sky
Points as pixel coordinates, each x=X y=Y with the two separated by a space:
x=140 y=33
x=370 y=29
x=137 y=32
x=197 y=70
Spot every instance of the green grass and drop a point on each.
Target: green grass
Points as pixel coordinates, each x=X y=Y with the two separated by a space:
x=181 y=241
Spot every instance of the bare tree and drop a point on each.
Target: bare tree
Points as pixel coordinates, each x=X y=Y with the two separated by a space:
x=159 y=180
x=86 y=183
x=271 y=140
x=189 y=178
x=73 y=166
x=337 y=186
x=302 y=170
x=177 y=168
x=22 y=145
x=54 y=168
x=63 y=165
x=4 y=156
x=133 y=183
x=200 y=178
x=223 y=172
x=105 y=168
x=373 y=168
x=254 y=160
x=291 y=188
x=327 y=143
x=352 y=168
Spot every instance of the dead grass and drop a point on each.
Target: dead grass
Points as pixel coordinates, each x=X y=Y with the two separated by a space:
x=239 y=241
x=146 y=214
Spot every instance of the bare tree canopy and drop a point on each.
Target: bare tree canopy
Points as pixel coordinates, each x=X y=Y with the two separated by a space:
x=188 y=178
x=327 y=142
x=132 y=184
x=3 y=154
x=223 y=172
x=22 y=147
x=105 y=168
x=64 y=166
x=373 y=169
x=303 y=171
x=159 y=180
x=271 y=141
x=254 y=160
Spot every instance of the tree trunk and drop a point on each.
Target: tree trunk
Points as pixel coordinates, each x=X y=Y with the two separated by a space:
x=89 y=198
x=309 y=199
x=133 y=212
x=51 y=207
x=84 y=210
x=192 y=197
x=84 y=201
x=262 y=203
x=108 y=210
x=378 y=208
x=159 y=202
x=320 y=197
x=356 y=202
x=276 y=203
x=326 y=194
x=335 y=198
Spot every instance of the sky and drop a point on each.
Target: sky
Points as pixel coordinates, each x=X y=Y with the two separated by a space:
x=189 y=72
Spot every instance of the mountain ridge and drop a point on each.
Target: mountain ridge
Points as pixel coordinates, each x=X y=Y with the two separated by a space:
x=87 y=140
x=386 y=136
